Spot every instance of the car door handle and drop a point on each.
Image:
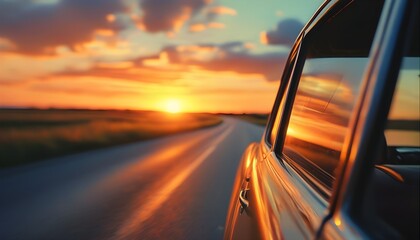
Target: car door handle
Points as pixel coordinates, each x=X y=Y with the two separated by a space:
x=242 y=198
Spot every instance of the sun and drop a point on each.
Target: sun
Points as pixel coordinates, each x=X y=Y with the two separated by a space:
x=173 y=106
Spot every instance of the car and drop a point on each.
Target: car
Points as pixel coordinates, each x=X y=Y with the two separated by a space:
x=339 y=157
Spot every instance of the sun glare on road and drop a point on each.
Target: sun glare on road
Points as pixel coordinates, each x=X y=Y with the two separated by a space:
x=173 y=106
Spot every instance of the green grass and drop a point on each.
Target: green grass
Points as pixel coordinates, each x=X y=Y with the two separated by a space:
x=32 y=135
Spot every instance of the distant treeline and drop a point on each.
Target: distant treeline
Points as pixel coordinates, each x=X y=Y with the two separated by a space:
x=256 y=118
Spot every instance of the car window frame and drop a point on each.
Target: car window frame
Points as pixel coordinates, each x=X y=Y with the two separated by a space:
x=379 y=85
x=287 y=77
x=316 y=185
x=327 y=193
x=281 y=94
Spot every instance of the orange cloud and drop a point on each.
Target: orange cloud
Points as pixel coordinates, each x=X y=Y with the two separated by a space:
x=173 y=61
x=223 y=10
x=197 y=73
x=104 y=32
x=263 y=38
x=195 y=48
x=116 y=65
x=110 y=18
x=198 y=27
x=178 y=22
x=151 y=72
x=216 y=25
x=232 y=56
x=161 y=61
x=211 y=95
x=249 y=46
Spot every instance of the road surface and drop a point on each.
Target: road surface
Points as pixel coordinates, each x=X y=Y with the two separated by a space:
x=176 y=187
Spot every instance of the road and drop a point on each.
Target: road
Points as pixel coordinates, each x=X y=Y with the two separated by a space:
x=175 y=187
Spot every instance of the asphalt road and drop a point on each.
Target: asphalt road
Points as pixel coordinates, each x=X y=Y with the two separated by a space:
x=176 y=187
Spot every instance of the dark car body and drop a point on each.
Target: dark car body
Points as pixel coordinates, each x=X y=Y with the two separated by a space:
x=339 y=158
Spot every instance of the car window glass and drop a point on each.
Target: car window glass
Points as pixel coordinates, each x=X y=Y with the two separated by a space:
x=323 y=104
x=404 y=117
x=336 y=59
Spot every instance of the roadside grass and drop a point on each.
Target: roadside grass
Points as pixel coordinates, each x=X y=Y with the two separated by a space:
x=259 y=119
x=31 y=135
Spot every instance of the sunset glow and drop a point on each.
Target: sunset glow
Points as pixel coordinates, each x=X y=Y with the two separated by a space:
x=207 y=53
x=173 y=106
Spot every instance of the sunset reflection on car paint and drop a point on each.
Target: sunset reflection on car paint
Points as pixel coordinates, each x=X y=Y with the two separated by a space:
x=330 y=164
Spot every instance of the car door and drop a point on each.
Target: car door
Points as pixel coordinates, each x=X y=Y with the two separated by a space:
x=290 y=182
x=241 y=222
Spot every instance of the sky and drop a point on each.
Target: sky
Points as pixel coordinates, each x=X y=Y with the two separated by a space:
x=188 y=55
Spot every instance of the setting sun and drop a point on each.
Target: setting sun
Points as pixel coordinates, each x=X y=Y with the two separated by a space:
x=173 y=106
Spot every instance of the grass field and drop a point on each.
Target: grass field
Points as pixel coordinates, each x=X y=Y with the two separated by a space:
x=30 y=135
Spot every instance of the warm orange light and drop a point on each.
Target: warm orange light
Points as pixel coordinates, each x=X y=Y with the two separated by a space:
x=110 y=18
x=263 y=38
x=216 y=25
x=197 y=27
x=337 y=221
x=173 y=106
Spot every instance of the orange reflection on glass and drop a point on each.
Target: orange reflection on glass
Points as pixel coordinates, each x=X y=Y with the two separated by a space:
x=323 y=101
x=322 y=109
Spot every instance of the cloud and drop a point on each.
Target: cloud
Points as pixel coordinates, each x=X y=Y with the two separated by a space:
x=223 y=11
x=38 y=27
x=170 y=16
x=284 y=34
x=230 y=56
x=268 y=65
x=136 y=73
x=197 y=27
x=166 y=16
x=173 y=62
x=6 y=44
x=212 y=12
x=215 y=25
x=103 y=90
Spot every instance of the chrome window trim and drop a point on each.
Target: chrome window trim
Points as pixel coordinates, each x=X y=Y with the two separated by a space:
x=282 y=92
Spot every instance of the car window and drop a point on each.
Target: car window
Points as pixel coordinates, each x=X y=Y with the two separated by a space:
x=402 y=132
x=336 y=57
x=281 y=97
x=404 y=117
